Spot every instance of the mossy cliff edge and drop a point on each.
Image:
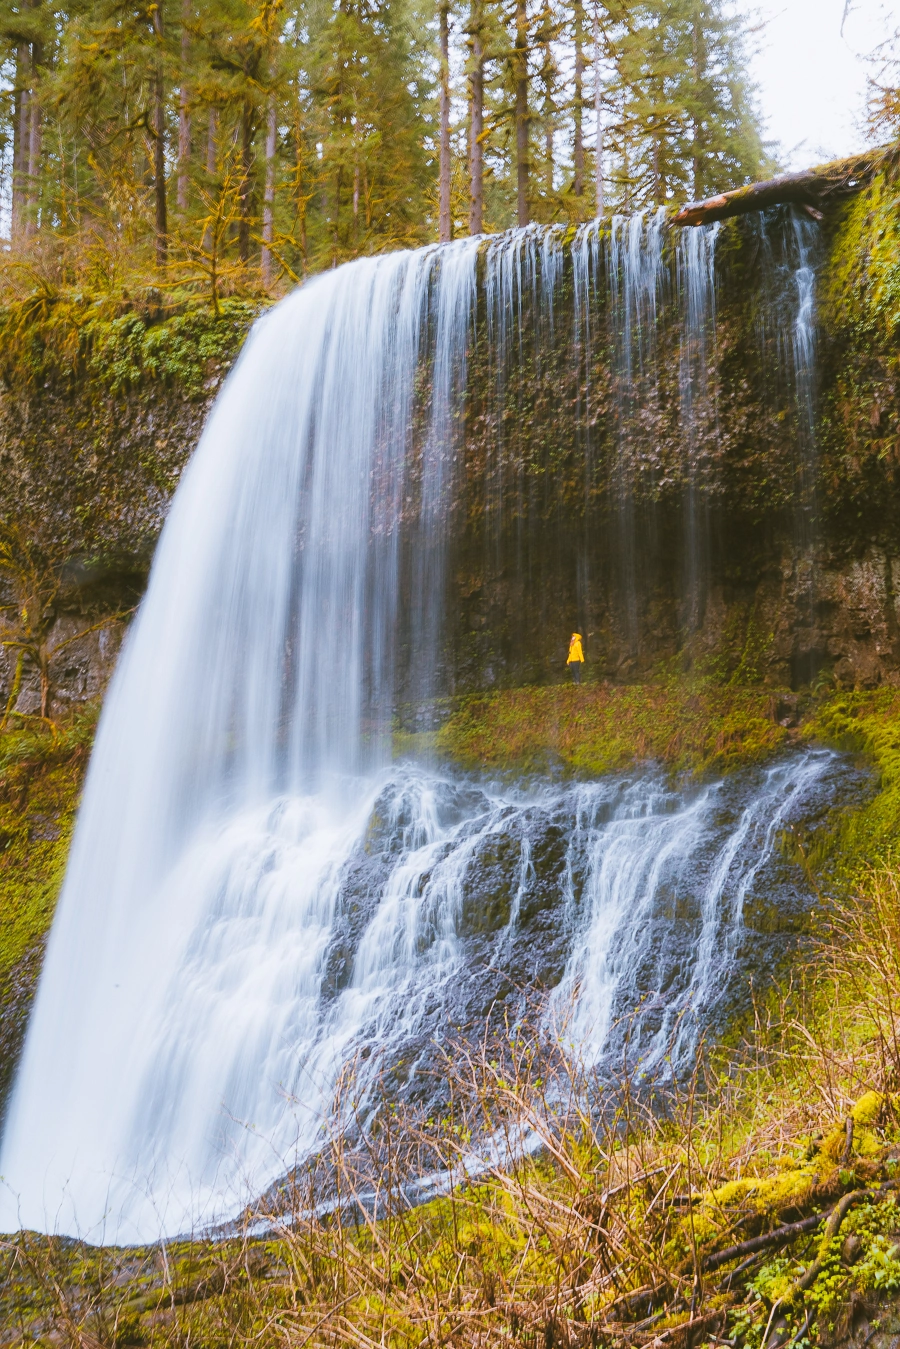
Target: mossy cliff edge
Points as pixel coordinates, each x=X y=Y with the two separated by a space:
x=101 y=405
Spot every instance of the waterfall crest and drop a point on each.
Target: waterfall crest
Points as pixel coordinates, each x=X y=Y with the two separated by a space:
x=255 y=892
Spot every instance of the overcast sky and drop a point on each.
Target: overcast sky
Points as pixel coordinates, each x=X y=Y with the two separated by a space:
x=811 y=77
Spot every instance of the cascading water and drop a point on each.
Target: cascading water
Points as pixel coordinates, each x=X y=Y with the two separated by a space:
x=255 y=895
x=696 y=257
x=635 y=273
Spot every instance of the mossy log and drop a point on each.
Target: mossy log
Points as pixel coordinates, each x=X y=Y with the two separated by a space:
x=813 y=189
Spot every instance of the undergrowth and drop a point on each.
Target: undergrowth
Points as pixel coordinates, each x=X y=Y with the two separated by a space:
x=119 y=345
x=675 y=1225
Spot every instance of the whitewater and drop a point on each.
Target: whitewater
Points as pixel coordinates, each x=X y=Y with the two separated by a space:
x=257 y=892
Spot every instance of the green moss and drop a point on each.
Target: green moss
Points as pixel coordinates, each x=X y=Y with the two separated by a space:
x=867 y=1109
x=862 y=283
x=699 y=726
x=184 y=344
x=40 y=783
x=859 y=308
x=867 y=723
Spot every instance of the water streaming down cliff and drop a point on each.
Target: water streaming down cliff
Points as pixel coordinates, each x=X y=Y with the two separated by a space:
x=255 y=893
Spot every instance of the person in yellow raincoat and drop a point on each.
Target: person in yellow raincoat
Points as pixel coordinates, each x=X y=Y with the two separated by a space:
x=576 y=657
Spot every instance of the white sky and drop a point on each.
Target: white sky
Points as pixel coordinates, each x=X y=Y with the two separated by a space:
x=811 y=78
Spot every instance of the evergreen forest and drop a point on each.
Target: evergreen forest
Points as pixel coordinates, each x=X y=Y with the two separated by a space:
x=221 y=144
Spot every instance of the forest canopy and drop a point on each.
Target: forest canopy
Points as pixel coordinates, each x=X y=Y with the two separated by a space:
x=219 y=143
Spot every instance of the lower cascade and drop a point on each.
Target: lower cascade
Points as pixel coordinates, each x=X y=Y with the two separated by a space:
x=309 y=932
x=258 y=895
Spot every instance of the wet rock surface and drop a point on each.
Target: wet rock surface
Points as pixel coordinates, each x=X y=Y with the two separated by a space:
x=602 y=911
x=16 y=996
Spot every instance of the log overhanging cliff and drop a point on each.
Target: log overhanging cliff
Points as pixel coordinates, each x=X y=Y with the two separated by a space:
x=812 y=190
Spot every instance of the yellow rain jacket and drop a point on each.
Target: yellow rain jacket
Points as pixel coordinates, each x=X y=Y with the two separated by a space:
x=575 y=652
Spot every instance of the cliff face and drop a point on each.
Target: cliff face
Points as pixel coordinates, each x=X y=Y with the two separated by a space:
x=718 y=486
x=97 y=420
x=707 y=474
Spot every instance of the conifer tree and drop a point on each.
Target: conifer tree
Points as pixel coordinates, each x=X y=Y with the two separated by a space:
x=476 y=36
x=242 y=143
x=521 y=113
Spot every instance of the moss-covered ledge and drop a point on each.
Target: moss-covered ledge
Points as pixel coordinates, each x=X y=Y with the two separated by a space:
x=698 y=726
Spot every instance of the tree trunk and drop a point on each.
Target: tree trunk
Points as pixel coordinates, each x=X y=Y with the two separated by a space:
x=476 y=122
x=522 y=164
x=268 y=228
x=246 y=172
x=813 y=189
x=212 y=127
x=159 y=145
x=21 y=138
x=599 y=185
x=336 y=223
x=445 y=230
x=184 y=111
x=548 y=71
x=299 y=181
x=35 y=128
x=626 y=171
x=578 y=103
x=698 y=57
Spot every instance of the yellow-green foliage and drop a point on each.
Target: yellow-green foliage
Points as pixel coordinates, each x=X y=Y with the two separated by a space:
x=40 y=782
x=862 y=281
x=118 y=345
x=592 y=729
x=866 y=723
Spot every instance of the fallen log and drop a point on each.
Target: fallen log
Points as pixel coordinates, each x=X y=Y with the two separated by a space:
x=833 y=1226
x=781 y=1236
x=813 y=190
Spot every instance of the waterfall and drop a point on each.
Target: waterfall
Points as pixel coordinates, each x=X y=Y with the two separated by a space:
x=697 y=282
x=257 y=894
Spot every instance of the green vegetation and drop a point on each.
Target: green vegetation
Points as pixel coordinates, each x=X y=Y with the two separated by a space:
x=699 y=726
x=238 y=145
x=65 y=338
x=41 y=770
x=860 y=371
x=40 y=783
x=869 y=724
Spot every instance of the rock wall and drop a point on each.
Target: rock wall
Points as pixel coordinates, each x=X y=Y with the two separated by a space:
x=733 y=535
